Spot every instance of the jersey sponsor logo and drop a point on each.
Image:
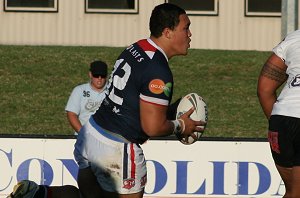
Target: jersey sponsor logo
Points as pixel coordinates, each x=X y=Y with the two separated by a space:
x=158 y=86
x=128 y=183
x=167 y=89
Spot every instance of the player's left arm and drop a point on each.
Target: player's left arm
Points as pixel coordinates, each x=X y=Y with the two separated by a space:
x=155 y=123
x=272 y=76
x=172 y=109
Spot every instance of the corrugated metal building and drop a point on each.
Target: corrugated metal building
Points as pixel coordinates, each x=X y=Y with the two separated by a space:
x=73 y=22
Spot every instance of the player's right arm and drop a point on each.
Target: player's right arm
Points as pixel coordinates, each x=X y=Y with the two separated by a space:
x=155 y=123
x=272 y=76
x=73 y=108
x=74 y=121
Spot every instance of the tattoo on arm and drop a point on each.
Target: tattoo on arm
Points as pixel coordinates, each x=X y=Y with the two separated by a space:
x=273 y=72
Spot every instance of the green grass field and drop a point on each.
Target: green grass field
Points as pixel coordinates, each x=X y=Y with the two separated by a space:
x=36 y=82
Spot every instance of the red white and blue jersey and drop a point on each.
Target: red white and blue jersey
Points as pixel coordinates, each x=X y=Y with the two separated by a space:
x=141 y=73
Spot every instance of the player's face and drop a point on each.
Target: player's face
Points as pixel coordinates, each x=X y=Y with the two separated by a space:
x=98 y=81
x=181 y=36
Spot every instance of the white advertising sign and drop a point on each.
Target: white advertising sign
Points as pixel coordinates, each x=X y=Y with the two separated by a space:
x=203 y=169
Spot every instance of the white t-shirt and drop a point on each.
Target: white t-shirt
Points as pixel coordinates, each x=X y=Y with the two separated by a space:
x=84 y=101
x=288 y=102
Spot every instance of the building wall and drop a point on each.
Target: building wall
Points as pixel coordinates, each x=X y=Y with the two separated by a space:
x=72 y=26
x=232 y=30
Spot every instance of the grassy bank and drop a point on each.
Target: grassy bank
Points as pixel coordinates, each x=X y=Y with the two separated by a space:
x=36 y=82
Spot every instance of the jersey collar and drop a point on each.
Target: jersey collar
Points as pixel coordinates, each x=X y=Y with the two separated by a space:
x=157 y=47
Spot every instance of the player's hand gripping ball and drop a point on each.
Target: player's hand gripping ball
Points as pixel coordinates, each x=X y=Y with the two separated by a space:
x=200 y=113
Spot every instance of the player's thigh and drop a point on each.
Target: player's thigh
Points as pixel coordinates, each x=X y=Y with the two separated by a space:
x=135 y=195
x=295 y=192
x=286 y=175
x=282 y=137
x=67 y=191
x=90 y=188
x=87 y=183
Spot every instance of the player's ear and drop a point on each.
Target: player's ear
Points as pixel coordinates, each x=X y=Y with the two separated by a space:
x=167 y=32
x=90 y=75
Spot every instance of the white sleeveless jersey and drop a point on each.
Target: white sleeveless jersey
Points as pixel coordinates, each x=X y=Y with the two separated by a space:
x=288 y=102
x=84 y=101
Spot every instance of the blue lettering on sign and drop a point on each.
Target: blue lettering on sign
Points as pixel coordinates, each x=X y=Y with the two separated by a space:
x=71 y=166
x=161 y=177
x=218 y=178
x=160 y=174
x=45 y=169
x=8 y=156
x=281 y=185
x=264 y=176
x=182 y=179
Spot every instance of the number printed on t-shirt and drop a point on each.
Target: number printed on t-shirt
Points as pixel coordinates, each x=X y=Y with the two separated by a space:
x=86 y=94
x=118 y=82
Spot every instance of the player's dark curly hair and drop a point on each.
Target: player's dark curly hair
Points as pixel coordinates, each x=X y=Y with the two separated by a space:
x=165 y=15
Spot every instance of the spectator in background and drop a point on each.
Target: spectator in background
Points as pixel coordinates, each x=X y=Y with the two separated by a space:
x=283 y=113
x=86 y=98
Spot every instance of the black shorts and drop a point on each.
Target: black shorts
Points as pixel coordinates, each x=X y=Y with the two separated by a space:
x=284 y=139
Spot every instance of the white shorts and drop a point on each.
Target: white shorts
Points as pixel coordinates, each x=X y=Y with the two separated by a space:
x=119 y=166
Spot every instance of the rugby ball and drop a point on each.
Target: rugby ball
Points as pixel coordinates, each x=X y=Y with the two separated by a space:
x=200 y=113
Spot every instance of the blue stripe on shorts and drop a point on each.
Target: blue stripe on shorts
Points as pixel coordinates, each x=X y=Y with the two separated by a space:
x=104 y=133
